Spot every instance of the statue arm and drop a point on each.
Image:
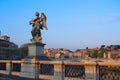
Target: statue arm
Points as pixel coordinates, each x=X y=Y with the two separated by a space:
x=32 y=21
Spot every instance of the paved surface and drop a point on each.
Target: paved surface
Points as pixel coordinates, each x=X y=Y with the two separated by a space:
x=7 y=77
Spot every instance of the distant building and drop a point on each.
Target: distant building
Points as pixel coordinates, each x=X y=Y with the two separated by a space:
x=6 y=38
x=5 y=43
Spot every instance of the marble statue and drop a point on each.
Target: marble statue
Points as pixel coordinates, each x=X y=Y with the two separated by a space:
x=38 y=24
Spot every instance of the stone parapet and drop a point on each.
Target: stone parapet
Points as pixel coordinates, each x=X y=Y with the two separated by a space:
x=63 y=70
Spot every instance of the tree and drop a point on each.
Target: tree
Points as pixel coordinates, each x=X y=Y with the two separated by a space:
x=94 y=54
x=102 y=51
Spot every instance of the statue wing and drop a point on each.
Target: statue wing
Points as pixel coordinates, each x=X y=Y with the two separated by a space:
x=45 y=27
x=43 y=19
x=44 y=23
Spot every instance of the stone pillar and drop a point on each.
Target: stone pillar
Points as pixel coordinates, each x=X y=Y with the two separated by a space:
x=30 y=67
x=109 y=55
x=59 y=71
x=37 y=70
x=28 y=70
x=8 y=67
x=91 y=71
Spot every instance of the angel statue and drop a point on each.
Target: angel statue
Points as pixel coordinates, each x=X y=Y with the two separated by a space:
x=38 y=24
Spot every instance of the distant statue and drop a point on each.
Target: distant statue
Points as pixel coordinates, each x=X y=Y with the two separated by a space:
x=37 y=24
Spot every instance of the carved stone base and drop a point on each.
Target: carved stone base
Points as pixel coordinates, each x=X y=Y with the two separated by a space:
x=35 y=49
x=29 y=68
x=36 y=52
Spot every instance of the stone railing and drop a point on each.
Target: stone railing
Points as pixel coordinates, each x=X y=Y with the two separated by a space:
x=64 y=70
x=109 y=71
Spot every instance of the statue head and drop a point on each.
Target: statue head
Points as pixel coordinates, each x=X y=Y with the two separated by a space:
x=42 y=13
x=37 y=13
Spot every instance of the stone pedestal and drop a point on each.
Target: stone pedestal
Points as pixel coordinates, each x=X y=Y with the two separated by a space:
x=35 y=49
x=29 y=68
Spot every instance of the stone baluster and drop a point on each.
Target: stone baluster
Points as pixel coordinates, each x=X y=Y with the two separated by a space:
x=91 y=72
x=59 y=71
x=8 y=67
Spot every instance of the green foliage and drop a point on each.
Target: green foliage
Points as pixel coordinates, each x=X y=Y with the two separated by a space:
x=100 y=55
x=23 y=52
x=9 y=53
x=102 y=51
x=96 y=53
x=92 y=53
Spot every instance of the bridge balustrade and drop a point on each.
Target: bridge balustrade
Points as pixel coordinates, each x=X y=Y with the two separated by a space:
x=65 y=70
x=109 y=72
x=47 y=69
x=75 y=71
x=2 y=66
x=16 y=67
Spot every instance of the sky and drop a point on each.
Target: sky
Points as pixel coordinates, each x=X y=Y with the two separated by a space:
x=72 y=24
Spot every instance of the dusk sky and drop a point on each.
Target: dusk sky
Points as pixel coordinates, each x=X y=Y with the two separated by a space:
x=72 y=24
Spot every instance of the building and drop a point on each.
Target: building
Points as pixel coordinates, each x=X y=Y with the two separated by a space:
x=6 y=38
x=5 y=43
